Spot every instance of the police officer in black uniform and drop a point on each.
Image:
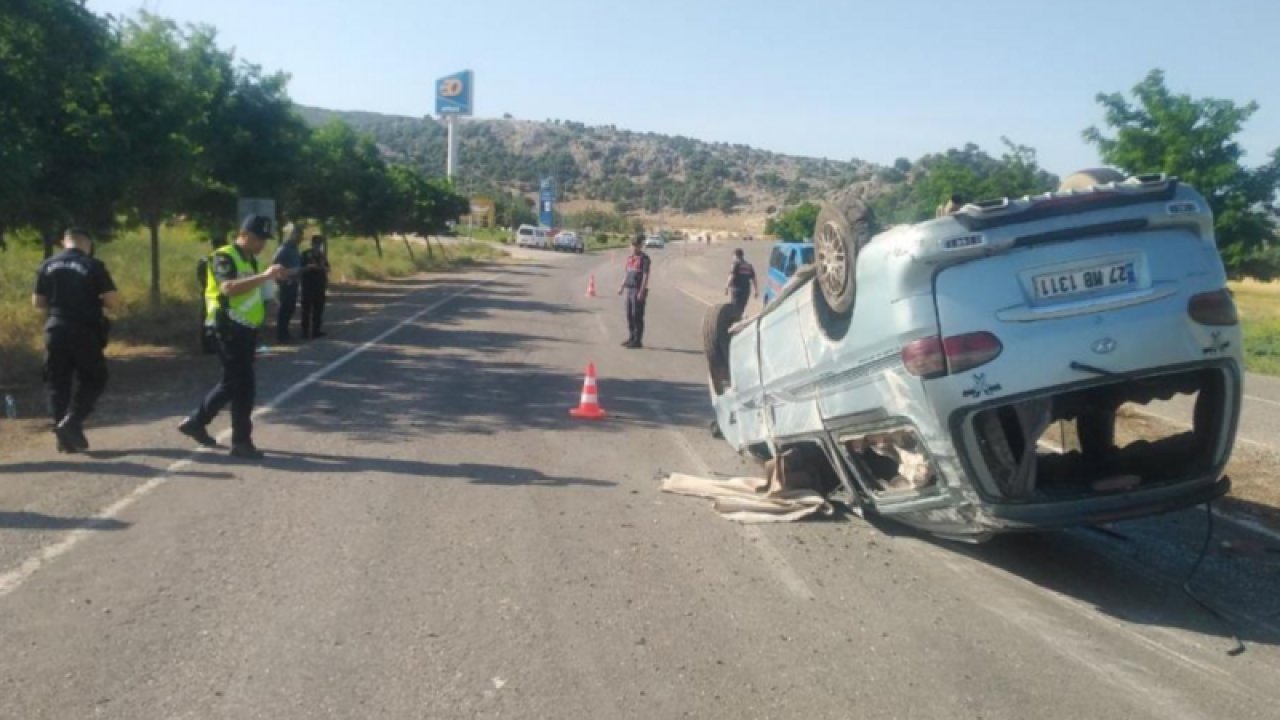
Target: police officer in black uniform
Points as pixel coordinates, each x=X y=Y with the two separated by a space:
x=742 y=282
x=315 y=284
x=74 y=288
x=237 y=310
x=636 y=284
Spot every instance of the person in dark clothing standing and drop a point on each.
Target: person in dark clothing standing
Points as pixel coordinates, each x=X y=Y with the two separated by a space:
x=208 y=340
x=74 y=288
x=236 y=311
x=636 y=284
x=290 y=258
x=315 y=284
x=742 y=282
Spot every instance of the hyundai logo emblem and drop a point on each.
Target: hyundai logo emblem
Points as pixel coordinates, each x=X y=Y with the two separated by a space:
x=1104 y=345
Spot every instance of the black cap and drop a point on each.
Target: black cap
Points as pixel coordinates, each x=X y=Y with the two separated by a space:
x=259 y=225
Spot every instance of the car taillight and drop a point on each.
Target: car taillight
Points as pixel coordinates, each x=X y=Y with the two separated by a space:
x=925 y=358
x=968 y=351
x=934 y=357
x=1213 y=308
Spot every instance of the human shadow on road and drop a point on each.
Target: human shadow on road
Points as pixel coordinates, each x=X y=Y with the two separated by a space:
x=477 y=473
x=94 y=465
x=23 y=520
x=680 y=351
x=1133 y=571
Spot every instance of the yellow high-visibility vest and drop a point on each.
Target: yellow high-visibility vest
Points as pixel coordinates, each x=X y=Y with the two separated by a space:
x=248 y=308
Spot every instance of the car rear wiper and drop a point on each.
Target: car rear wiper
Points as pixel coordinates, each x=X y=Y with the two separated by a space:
x=1081 y=367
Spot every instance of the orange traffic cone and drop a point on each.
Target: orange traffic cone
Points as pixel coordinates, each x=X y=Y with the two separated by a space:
x=589 y=406
x=591 y=286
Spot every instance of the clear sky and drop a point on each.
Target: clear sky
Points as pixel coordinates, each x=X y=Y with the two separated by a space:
x=826 y=78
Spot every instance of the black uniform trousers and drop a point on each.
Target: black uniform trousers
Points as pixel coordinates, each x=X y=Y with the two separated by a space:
x=313 y=297
x=635 y=315
x=236 y=348
x=288 y=299
x=740 y=300
x=75 y=370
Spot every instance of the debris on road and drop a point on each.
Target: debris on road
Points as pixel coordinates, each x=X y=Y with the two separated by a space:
x=747 y=500
x=789 y=493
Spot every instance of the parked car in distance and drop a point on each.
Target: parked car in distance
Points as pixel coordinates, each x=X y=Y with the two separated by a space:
x=568 y=241
x=971 y=374
x=655 y=241
x=531 y=236
x=784 y=260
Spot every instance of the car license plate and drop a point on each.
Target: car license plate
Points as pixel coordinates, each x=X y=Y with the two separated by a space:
x=1077 y=282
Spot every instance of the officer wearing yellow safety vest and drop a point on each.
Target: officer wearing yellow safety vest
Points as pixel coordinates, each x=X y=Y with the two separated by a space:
x=236 y=309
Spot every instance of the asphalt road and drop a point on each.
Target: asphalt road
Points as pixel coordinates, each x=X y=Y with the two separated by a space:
x=434 y=537
x=1259 y=416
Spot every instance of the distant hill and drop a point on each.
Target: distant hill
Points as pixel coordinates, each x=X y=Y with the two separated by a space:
x=632 y=171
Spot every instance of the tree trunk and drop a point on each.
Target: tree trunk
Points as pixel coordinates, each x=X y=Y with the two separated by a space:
x=408 y=247
x=430 y=255
x=377 y=242
x=49 y=237
x=154 y=226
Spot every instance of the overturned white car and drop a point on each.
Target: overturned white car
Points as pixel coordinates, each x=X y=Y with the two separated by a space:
x=924 y=364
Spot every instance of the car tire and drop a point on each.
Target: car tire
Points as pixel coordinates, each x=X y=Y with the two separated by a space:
x=715 y=343
x=843 y=227
x=1084 y=179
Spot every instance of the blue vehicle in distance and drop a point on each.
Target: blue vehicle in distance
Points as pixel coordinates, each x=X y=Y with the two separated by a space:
x=784 y=259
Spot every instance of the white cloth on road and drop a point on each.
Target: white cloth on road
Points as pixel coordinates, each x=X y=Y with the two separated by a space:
x=747 y=500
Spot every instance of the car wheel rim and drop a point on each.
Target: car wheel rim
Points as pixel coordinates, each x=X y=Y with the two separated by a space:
x=831 y=260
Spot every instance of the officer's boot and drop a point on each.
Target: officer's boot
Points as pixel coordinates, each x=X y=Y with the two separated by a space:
x=246 y=450
x=70 y=433
x=194 y=429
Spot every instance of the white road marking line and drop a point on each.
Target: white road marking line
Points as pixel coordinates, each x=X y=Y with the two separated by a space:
x=773 y=559
x=1255 y=398
x=1182 y=423
x=13 y=579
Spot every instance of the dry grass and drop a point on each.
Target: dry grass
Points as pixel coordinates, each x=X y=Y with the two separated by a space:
x=1259 y=305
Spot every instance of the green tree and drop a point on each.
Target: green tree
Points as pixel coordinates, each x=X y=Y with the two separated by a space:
x=373 y=196
x=726 y=199
x=1195 y=139
x=253 y=142
x=58 y=140
x=326 y=191
x=795 y=224
x=423 y=206
x=161 y=99
x=970 y=172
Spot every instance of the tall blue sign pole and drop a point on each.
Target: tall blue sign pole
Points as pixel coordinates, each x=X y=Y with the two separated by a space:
x=546 y=202
x=454 y=98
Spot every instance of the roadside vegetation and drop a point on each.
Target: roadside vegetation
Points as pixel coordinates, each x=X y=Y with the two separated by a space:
x=149 y=120
x=1259 y=305
x=170 y=322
